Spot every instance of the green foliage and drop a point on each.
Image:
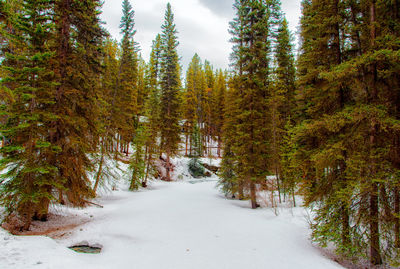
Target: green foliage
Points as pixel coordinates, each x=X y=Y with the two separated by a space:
x=29 y=176
x=137 y=164
x=345 y=144
x=170 y=86
x=50 y=85
x=196 y=169
x=152 y=104
x=195 y=100
x=78 y=71
x=126 y=99
x=196 y=146
x=252 y=44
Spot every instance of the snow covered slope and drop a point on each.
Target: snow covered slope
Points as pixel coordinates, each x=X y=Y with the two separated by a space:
x=173 y=226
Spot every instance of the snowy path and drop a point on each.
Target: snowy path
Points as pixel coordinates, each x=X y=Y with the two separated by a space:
x=173 y=226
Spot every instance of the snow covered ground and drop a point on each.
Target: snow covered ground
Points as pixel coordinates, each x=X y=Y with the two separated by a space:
x=186 y=224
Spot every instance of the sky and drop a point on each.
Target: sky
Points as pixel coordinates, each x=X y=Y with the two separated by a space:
x=202 y=25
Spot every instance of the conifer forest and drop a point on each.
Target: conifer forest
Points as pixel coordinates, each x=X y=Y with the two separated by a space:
x=305 y=122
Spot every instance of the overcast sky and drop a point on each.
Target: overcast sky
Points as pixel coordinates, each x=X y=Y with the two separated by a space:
x=202 y=25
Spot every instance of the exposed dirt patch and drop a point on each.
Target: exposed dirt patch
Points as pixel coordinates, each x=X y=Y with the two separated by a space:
x=57 y=226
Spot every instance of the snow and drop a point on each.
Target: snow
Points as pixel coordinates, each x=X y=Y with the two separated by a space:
x=183 y=224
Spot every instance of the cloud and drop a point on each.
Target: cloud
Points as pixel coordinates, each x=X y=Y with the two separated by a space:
x=220 y=7
x=292 y=10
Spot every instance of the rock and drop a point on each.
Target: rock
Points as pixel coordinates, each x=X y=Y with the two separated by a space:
x=97 y=246
x=84 y=247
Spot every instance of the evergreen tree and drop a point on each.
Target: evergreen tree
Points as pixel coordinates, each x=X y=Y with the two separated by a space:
x=285 y=71
x=252 y=65
x=75 y=130
x=229 y=181
x=127 y=96
x=346 y=144
x=106 y=99
x=324 y=151
x=26 y=187
x=195 y=167
x=170 y=87
x=152 y=105
x=194 y=96
x=138 y=164
x=208 y=105
x=109 y=93
x=3 y=18
x=218 y=108
x=282 y=103
x=142 y=92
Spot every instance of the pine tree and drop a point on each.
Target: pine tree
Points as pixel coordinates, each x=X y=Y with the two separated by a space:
x=138 y=163
x=285 y=71
x=195 y=167
x=78 y=42
x=142 y=91
x=346 y=143
x=326 y=168
x=110 y=92
x=218 y=108
x=252 y=65
x=282 y=103
x=170 y=87
x=106 y=98
x=127 y=96
x=208 y=104
x=195 y=98
x=26 y=188
x=230 y=182
x=152 y=105
x=3 y=18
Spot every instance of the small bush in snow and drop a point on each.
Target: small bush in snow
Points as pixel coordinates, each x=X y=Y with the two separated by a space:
x=196 y=169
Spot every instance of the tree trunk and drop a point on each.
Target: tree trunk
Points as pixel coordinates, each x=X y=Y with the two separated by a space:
x=397 y=217
x=147 y=161
x=168 y=167
x=61 y=197
x=345 y=226
x=374 y=226
x=144 y=183
x=240 y=190
x=190 y=147
x=99 y=172
x=27 y=216
x=253 y=195
x=219 y=147
x=186 y=145
x=294 y=198
x=42 y=210
x=133 y=186
x=375 y=258
x=278 y=185
x=117 y=146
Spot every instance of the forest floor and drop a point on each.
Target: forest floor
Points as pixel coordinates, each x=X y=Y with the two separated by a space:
x=184 y=224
